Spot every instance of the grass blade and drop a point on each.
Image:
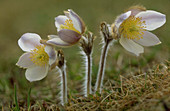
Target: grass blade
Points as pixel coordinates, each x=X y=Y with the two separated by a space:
x=16 y=100
x=28 y=99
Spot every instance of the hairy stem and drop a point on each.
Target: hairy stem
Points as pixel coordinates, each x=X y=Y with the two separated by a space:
x=86 y=45
x=61 y=65
x=63 y=85
x=100 y=75
x=88 y=76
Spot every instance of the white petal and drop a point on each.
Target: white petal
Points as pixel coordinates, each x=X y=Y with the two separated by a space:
x=25 y=61
x=60 y=20
x=76 y=20
x=36 y=73
x=109 y=27
x=57 y=42
x=52 y=36
x=131 y=46
x=121 y=18
x=28 y=41
x=153 y=19
x=51 y=53
x=149 y=39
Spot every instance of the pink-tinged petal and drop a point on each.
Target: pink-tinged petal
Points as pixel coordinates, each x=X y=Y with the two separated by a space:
x=134 y=12
x=136 y=9
x=152 y=19
x=51 y=53
x=121 y=18
x=60 y=20
x=58 y=42
x=25 y=61
x=149 y=39
x=28 y=41
x=131 y=46
x=69 y=36
x=36 y=73
x=77 y=21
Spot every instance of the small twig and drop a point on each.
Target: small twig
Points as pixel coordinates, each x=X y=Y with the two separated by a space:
x=121 y=85
x=105 y=98
x=145 y=80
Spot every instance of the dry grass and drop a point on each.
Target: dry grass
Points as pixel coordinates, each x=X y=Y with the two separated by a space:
x=148 y=91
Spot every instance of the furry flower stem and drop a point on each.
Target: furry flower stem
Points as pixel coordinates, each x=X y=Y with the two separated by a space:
x=62 y=70
x=107 y=39
x=86 y=45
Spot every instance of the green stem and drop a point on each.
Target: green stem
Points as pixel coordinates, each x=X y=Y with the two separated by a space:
x=16 y=100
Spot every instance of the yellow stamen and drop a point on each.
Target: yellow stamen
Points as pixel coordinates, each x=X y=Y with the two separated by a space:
x=132 y=28
x=39 y=56
x=69 y=25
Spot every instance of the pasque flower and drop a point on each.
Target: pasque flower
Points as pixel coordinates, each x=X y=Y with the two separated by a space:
x=70 y=28
x=38 y=57
x=133 y=25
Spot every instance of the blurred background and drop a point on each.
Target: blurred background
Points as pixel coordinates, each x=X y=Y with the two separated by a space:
x=37 y=16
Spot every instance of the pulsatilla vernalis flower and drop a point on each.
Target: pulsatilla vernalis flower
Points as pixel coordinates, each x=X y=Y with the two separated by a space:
x=38 y=57
x=132 y=29
x=70 y=28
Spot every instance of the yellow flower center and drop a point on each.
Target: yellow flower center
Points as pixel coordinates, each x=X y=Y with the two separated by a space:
x=39 y=56
x=69 y=25
x=132 y=28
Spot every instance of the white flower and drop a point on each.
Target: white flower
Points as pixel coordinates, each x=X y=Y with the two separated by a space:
x=70 y=28
x=132 y=29
x=37 y=58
